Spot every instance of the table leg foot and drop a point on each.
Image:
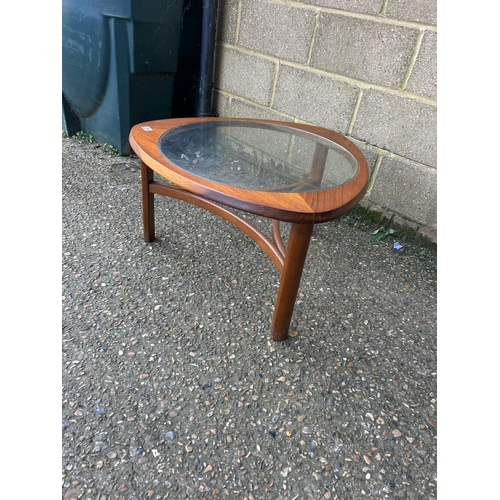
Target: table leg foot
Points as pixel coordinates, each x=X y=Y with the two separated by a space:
x=296 y=252
x=148 y=207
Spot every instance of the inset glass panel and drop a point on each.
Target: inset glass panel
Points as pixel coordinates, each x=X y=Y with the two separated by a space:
x=258 y=156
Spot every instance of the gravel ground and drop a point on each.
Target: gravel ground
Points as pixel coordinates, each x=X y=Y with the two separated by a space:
x=172 y=388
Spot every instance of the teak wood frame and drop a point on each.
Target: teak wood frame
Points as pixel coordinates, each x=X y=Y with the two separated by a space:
x=319 y=206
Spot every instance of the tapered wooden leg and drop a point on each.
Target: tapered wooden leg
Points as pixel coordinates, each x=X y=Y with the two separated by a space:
x=148 y=206
x=295 y=257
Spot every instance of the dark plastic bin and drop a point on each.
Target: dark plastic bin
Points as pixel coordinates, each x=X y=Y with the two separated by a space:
x=119 y=59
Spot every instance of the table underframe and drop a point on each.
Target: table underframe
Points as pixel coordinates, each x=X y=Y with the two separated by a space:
x=289 y=260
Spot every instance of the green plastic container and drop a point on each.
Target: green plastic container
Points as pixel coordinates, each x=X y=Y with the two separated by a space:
x=119 y=60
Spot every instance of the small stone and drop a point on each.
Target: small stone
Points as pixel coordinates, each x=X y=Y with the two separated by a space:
x=143 y=375
x=143 y=460
x=208 y=468
x=100 y=464
x=285 y=471
x=170 y=434
x=301 y=418
x=112 y=454
x=396 y=433
x=366 y=458
x=100 y=411
x=306 y=430
x=313 y=445
x=225 y=411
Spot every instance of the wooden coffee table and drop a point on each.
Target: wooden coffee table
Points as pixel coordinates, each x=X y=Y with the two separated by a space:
x=288 y=172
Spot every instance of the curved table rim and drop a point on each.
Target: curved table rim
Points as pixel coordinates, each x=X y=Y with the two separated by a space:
x=308 y=206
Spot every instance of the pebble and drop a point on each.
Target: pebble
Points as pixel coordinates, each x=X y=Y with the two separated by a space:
x=100 y=411
x=170 y=435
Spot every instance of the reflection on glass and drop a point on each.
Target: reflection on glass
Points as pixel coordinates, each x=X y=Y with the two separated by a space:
x=258 y=156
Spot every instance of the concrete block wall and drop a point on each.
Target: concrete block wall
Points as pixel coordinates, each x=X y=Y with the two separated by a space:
x=365 y=68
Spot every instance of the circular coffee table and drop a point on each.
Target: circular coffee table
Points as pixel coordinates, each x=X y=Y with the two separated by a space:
x=288 y=172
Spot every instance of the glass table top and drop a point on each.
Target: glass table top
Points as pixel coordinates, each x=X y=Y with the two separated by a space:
x=258 y=156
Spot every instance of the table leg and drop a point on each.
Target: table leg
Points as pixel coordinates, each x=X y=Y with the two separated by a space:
x=296 y=251
x=148 y=206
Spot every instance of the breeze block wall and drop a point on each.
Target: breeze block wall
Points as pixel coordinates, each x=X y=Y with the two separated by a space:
x=364 y=68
